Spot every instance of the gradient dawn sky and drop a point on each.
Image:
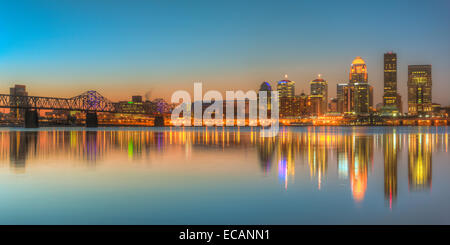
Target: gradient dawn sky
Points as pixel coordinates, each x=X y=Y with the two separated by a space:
x=123 y=48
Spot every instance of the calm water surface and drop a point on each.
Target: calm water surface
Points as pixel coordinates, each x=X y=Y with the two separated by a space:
x=306 y=175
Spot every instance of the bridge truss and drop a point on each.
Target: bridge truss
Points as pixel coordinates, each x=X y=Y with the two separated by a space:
x=90 y=101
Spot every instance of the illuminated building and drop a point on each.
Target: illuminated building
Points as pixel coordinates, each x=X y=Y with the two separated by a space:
x=333 y=105
x=18 y=90
x=344 y=97
x=358 y=97
x=265 y=86
x=286 y=94
x=419 y=90
x=131 y=106
x=419 y=162
x=390 y=80
x=399 y=103
x=319 y=96
x=358 y=71
x=363 y=98
x=286 y=88
x=136 y=99
x=302 y=105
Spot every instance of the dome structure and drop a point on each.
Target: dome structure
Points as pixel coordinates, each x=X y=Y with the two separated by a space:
x=265 y=86
x=358 y=61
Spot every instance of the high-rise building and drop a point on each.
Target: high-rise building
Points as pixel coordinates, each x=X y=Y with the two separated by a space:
x=419 y=90
x=286 y=94
x=136 y=99
x=302 y=105
x=17 y=90
x=399 y=103
x=358 y=71
x=358 y=94
x=265 y=86
x=333 y=105
x=286 y=88
x=362 y=98
x=319 y=95
x=340 y=95
x=390 y=80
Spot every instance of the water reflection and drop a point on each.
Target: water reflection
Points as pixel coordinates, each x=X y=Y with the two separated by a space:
x=313 y=149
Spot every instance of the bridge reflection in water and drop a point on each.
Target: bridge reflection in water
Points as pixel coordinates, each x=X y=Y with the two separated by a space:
x=340 y=155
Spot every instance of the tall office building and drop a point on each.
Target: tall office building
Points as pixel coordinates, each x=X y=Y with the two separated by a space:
x=419 y=90
x=358 y=71
x=17 y=90
x=341 y=92
x=358 y=97
x=286 y=88
x=265 y=86
x=286 y=94
x=390 y=80
x=319 y=96
x=362 y=98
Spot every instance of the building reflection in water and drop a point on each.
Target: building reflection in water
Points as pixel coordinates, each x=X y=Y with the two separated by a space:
x=391 y=142
x=314 y=146
x=318 y=155
x=266 y=151
x=419 y=162
x=361 y=157
x=22 y=144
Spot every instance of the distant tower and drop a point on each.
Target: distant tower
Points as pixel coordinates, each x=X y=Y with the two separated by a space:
x=286 y=88
x=265 y=86
x=18 y=90
x=390 y=80
x=419 y=89
x=341 y=92
x=319 y=95
x=358 y=71
x=286 y=94
x=359 y=94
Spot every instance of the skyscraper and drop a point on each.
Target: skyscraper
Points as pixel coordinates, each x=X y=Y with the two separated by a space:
x=390 y=80
x=358 y=99
x=17 y=90
x=340 y=96
x=265 y=86
x=419 y=90
x=358 y=71
x=319 y=95
x=286 y=88
x=286 y=94
x=362 y=98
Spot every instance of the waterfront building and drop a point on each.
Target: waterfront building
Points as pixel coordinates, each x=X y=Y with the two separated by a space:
x=17 y=90
x=358 y=94
x=362 y=98
x=419 y=90
x=286 y=94
x=265 y=86
x=358 y=71
x=319 y=96
x=340 y=95
x=390 y=80
x=333 y=105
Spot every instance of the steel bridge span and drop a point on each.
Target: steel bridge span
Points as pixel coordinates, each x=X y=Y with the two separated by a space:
x=89 y=102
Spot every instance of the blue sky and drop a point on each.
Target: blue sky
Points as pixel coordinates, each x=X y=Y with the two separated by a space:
x=120 y=48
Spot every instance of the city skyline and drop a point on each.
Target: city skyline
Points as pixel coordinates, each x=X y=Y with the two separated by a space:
x=60 y=55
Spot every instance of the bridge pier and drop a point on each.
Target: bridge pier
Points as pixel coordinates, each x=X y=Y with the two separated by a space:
x=31 y=119
x=159 y=121
x=91 y=120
